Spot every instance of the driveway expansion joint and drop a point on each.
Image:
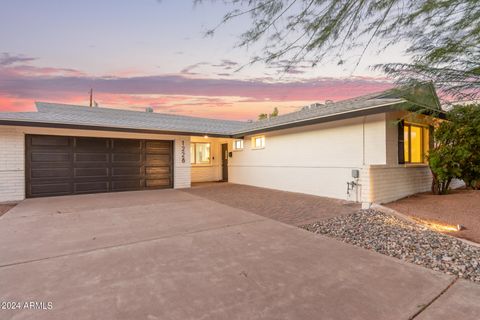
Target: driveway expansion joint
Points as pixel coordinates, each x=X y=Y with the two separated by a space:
x=425 y=307
x=130 y=243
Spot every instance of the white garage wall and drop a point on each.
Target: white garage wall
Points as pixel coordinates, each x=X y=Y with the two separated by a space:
x=12 y=155
x=316 y=159
x=12 y=164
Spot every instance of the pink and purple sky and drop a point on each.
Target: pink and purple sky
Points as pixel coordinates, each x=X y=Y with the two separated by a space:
x=136 y=54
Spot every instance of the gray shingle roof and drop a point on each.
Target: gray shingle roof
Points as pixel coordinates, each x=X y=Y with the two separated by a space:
x=114 y=118
x=51 y=114
x=317 y=112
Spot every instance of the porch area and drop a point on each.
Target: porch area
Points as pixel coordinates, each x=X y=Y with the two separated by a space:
x=209 y=159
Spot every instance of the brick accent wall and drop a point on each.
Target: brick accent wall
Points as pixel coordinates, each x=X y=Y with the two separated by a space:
x=384 y=184
x=12 y=164
x=389 y=183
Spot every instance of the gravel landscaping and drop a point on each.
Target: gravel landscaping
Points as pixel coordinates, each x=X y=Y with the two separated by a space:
x=407 y=241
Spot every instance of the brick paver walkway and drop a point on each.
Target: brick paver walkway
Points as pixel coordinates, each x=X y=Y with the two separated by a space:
x=288 y=207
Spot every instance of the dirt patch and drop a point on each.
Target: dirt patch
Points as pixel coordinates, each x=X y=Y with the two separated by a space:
x=459 y=207
x=288 y=207
x=5 y=207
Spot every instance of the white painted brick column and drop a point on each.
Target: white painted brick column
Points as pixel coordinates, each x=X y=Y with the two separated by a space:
x=182 y=167
x=12 y=164
x=366 y=196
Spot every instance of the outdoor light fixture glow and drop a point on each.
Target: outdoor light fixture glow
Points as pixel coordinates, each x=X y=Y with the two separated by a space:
x=205 y=136
x=440 y=227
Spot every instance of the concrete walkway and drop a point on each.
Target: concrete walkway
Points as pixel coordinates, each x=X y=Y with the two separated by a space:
x=172 y=255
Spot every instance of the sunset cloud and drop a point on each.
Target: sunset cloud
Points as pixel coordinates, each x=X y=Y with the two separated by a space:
x=9 y=59
x=188 y=93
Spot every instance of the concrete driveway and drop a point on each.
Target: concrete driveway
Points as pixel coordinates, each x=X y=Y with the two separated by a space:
x=173 y=255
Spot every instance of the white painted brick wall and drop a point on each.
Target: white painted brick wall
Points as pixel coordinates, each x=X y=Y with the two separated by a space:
x=382 y=184
x=389 y=183
x=205 y=173
x=12 y=165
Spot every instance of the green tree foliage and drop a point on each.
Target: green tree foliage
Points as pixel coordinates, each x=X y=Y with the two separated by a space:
x=443 y=159
x=466 y=125
x=457 y=149
x=263 y=116
x=443 y=35
x=274 y=112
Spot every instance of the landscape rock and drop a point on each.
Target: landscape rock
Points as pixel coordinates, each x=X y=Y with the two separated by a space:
x=403 y=240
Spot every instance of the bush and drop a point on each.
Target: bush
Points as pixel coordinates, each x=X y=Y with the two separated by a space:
x=457 y=149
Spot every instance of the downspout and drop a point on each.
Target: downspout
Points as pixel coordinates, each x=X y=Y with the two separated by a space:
x=363 y=141
x=355 y=185
x=359 y=187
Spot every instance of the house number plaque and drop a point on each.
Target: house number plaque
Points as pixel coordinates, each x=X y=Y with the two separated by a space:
x=183 y=151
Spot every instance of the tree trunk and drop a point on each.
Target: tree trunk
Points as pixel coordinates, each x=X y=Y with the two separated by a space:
x=435 y=184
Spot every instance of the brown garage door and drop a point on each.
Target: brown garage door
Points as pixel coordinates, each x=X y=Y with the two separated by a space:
x=58 y=165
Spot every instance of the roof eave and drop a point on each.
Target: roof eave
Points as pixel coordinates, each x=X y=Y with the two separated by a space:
x=22 y=123
x=333 y=117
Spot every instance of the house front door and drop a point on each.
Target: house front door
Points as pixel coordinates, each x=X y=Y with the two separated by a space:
x=225 y=162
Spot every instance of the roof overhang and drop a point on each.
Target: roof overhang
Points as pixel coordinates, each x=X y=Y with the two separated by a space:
x=396 y=106
x=104 y=128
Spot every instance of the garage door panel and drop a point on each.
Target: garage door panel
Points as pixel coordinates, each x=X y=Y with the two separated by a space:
x=50 y=189
x=91 y=187
x=123 y=185
x=154 y=173
x=157 y=170
x=133 y=158
x=57 y=141
x=62 y=173
x=90 y=172
x=157 y=159
x=127 y=171
x=158 y=147
x=155 y=183
x=50 y=157
x=91 y=157
x=58 y=165
x=160 y=176
x=91 y=144
x=131 y=146
x=50 y=165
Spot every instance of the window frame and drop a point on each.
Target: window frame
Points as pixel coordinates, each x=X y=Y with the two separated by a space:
x=193 y=155
x=254 y=147
x=235 y=146
x=408 y=146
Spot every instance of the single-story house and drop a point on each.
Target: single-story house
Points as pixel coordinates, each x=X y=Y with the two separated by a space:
x=367 y=149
